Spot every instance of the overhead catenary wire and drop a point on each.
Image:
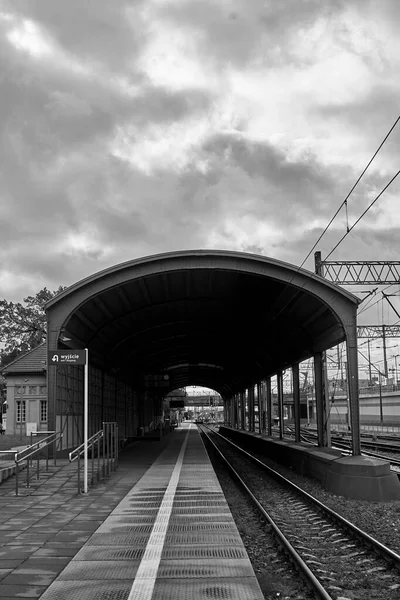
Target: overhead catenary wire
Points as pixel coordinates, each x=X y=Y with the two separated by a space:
x=344 y=203
x=362 y=215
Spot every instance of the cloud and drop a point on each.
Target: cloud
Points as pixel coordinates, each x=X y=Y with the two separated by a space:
x=134 y=128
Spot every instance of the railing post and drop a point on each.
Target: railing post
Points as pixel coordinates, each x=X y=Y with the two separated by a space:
x=16 y=477
x=92 y=457
x=98 y=459
x=79 y=473
x=27 y=472
x=104 y=449
x=37 y=468
x=116 y=446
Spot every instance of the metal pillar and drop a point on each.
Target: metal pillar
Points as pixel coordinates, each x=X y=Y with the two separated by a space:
x=242 y=410
x=250 y=392
x=352 y=378
x=260 y=407
x=322 y=407
x=296 y=400
x=269 y=405
x=279 y=377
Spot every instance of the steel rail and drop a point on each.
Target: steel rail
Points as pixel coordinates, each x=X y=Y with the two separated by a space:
x=386 y=552
x=295 y=557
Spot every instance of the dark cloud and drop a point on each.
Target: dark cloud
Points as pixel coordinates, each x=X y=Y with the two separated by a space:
x=232 y=34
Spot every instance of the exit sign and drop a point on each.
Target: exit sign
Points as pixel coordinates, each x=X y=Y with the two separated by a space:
x=66 y=357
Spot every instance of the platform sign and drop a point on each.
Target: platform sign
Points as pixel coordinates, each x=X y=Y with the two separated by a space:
x=66 y=357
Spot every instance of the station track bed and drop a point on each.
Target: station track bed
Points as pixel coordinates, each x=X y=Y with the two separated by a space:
x=344 y=561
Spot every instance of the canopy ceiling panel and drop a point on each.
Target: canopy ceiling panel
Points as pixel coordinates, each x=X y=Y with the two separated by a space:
x=214 y=318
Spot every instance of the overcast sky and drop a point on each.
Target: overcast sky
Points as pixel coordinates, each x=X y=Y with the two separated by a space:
x=132 y=128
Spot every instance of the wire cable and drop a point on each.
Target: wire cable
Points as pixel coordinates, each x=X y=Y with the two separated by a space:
x=330 y=222
x=361 y=216
x=351 y=191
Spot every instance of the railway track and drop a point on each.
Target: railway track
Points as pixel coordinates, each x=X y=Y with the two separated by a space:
x=336 y=558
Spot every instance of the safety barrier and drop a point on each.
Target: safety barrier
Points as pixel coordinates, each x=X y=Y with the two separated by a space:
x=33 y=452
x=102 y=453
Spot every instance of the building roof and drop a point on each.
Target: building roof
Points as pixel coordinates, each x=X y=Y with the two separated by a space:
x=33 y=361
x=217 y=319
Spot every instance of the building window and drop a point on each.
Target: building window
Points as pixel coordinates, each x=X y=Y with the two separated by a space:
x=43 y=410
x=21 y=411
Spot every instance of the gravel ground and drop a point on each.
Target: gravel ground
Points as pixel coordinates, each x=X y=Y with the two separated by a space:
x=277 y=578
x=381 y=520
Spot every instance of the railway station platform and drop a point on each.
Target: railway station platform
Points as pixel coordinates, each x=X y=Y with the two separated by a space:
x=158 y=528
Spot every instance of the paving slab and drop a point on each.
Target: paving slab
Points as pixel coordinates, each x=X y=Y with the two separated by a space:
x=44 y=527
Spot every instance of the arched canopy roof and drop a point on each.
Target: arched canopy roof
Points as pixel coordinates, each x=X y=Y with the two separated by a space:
x=215 y=318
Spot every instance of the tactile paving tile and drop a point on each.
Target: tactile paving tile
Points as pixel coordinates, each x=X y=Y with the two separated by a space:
x=200 y=510
x=199 y=552
x=179 y=526
x=210 y=518
x=95 y=553
x=100 y=570
x=209 y=538
x=87 y=590
x=110 y=539
x=203 y=568
x=210 y=589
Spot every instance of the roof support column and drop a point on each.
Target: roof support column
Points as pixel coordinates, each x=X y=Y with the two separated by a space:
x=229 y=406
x=236 y=422
x=352 y=378
x=279 y=378
x=250 y=392
x=322 y=407
x=260 y=401
x=268 y=399
x=296 y=400
x=242 y=410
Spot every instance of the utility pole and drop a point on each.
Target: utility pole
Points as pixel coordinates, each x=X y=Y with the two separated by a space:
x=369 y=363
x=384 y=351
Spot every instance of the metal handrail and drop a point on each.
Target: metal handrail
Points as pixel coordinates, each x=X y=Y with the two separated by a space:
x=81 y=448
x=35 y=449
x=108 y=449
